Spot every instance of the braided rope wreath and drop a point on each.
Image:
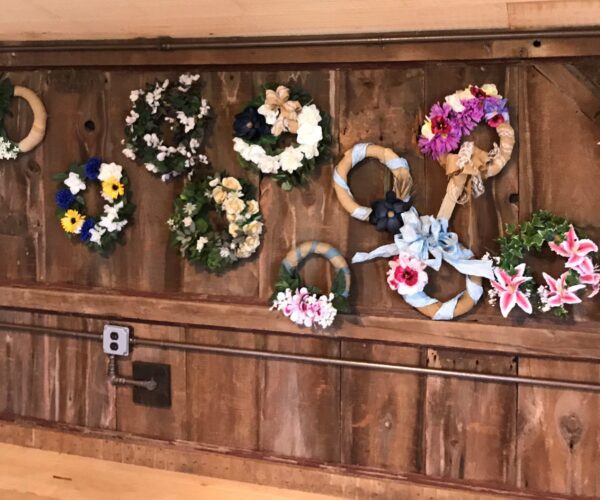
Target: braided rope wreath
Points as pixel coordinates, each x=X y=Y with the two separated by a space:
x=448 y=123
x=426 y=242
x=99 y=235
x=199 y=238
x=515 y=283
x=306 y=305
x=402 y=186
x=262 y=128
x=179 y=105
x=9 y=150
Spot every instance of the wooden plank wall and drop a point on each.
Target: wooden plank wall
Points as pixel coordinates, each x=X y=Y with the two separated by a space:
x=531 y=439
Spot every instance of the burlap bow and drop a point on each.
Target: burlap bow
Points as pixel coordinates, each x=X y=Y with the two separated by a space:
x=287 y=119
x=468 y=168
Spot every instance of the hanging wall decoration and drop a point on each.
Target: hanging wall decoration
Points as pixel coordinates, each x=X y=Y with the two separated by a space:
x=384 y=214
x=514 y=284
x=445 y=127
x=426 y=242
x=283 y=134
x=102 y=233
x=177 y=106
x=9 y=150
x=306 y=305
x=199 y=237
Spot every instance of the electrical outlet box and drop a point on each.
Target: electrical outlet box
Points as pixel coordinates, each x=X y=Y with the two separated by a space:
x=115 y=340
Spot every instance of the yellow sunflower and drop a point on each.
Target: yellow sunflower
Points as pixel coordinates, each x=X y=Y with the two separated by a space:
x=72 y=221
x=112 y=188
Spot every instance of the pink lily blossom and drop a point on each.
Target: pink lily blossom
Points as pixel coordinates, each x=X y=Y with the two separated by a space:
x=560 y=293
x=507 y=287
x=573 y=248
x=588 y=275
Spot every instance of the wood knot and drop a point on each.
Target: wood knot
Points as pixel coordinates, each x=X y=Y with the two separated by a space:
x=571 y=429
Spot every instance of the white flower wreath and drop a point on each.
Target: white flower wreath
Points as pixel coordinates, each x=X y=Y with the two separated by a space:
x=277 y=111
x=179 y=105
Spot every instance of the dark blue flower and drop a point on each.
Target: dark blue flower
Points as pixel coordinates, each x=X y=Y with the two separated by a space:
x=387 y=214
x=64 y=199
x=92 y=168
x=250 y=124
x=88 y=224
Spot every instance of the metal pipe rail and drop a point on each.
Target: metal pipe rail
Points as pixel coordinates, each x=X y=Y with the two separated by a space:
x=276 y=356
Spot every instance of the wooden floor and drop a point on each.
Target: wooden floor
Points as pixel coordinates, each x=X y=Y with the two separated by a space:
x=30 y=474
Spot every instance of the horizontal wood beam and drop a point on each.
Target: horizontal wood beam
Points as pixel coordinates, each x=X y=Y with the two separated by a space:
x=240 y=465
x=561 y=340
x=290 y=51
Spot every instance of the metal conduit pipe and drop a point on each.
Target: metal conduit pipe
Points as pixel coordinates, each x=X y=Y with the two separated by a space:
x=276 y=356
x=167 y=44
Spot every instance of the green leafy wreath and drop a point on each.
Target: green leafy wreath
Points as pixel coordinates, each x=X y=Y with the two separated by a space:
x=514 y=277
x=186 y=113
x=201 y=240
x=283 y=134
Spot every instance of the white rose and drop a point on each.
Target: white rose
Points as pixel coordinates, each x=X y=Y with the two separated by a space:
x=252 y=207
x=426 y=130
x=269 y=114
x=219 y=195
x=188 y=221
x=108 y=170
x=309 y=134
x=232 y=183
x=309 y=150
x=291 y=159
x=74 y=183
x=254 y=228
x=234 y=205
x=256 y=154
x=233 y=229
x=454 y=102
x=490 y=89
x=269 y=165
x=310 y=115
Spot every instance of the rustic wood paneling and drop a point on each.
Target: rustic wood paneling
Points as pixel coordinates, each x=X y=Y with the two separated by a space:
x=559 y=431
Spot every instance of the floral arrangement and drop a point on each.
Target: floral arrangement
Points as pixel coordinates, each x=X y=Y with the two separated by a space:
x=9 y=150
x=515 y=285
x=179 y=105
x=307 y=305
x=102 y=233
x=263 y=127
x=460 y=113
x=386 y=214
x=198 y=237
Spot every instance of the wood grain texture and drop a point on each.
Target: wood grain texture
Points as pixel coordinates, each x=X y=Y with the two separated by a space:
x=59 y=19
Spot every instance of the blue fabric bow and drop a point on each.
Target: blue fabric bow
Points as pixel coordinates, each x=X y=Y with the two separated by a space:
x=428 y=239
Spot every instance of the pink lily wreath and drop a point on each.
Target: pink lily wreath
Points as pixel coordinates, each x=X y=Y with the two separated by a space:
x=515 y=285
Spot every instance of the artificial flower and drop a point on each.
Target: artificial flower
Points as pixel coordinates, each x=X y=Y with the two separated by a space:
x=96 y=234
x=426 y=131
x=306 y=309
x=64 y=198
x=250 y=124
x=446 y=136
x=470 y=117
x=112 y=188
x=108 y=170
x=233 y=205
x=9 y=150
x=86 y=227
x=496 y=111
x=233 y=229
x=490 y=90
x=252 y=207
x=74 y=183
x=203 y=240
x=92 y=168
x=219 y=195
x=386 y=215
x=589 y=275
x=72 y=221
x=231 y=183
x=279 y=111
x=291 y=159
x=253 y=228
x=560 y=293
x=455 y=102
x=188 y=221
x=407 y=274
x=573 y=248
x=507 y=287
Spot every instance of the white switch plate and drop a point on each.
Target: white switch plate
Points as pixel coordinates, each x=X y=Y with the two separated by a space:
x=115 y=340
